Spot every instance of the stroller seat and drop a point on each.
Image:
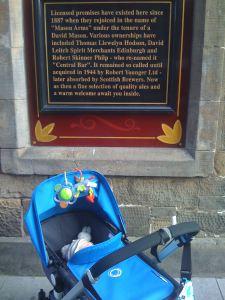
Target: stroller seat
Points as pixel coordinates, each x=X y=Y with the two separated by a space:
x=62 y=229
x=112 y=268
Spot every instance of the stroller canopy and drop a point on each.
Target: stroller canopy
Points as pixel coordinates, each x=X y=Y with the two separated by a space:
x=43 y=206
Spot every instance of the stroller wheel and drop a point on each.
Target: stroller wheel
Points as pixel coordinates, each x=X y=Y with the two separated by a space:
x=41 y=295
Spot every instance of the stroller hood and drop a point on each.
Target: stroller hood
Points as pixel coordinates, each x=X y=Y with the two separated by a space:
x=43 y=206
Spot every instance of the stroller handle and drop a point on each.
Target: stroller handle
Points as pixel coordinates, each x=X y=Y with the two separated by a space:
x=160 y=237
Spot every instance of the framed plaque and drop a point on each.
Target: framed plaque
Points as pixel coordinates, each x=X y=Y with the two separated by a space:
x=108 y=73
x=108 y=56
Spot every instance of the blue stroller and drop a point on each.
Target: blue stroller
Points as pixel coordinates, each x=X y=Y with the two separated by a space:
x=108 y=267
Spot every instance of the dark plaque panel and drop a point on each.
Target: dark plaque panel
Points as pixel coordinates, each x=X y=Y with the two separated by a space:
x=118 y=56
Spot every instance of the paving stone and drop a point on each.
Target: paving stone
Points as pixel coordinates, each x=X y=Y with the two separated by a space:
x=21 y=288
x=221 y=283
x=206 y=288
x=10 y=217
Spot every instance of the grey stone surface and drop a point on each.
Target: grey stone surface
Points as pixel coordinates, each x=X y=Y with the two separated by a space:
x=25 y=206
x=18 y=258
x=212 y=73
x=206 y=288
x=12 y=115
x=21 y=288
x=211 y=186
x=109 y=161
x=221 y=284
x=163 y=211
x=157 y=223
x=6 y=89
x=215 y=23
x=208 y=125
x=10 y=217
x=7 y=124
x=18 y=186
x=16 y=23
x=18 y=69
x=4 y=24
x=216 y=203
x=137 y=219
x=220 y=163
x=212 y=224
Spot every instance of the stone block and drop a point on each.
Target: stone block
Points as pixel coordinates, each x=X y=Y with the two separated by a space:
x=212 y=224
x=212 y=74
x=208 y=203
x=163 y=212
x=18 y=69
x=12 y=75
x=157 y=223
x=4 y=24
x=5 y=56
x=211 y=186
x=109 y=161
x=155 y=192
x=18 y=186
x=16 y=23
x=10 y=217
x=129 y=190
x=208 y=125
x=137 y=219
x=220 y=163
x=25 y=206
x=215 y=23
x=8 y=137
x=6 y=82
x=13 y=124
x=176 y=188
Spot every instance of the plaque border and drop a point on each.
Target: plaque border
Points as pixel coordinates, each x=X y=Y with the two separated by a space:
x=67 y=107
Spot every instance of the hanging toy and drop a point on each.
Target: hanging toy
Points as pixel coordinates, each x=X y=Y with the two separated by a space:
x=64 y=193
x=85 y=187
x=67 y=193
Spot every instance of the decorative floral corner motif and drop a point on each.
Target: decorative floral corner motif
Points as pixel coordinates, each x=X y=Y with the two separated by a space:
x=43 y=133
x=172 y=135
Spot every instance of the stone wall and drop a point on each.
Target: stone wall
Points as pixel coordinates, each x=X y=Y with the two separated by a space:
x=146 y=202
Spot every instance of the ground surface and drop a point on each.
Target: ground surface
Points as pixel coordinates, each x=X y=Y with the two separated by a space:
x=26 y=288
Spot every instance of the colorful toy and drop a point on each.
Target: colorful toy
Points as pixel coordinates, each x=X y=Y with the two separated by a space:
x=64 y=193
x=68 y=193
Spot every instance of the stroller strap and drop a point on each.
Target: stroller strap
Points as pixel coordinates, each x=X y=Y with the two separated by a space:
x=157 y=238
x=186 y=266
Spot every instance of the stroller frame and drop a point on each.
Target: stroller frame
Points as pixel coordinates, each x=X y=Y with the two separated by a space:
x=66 y=285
